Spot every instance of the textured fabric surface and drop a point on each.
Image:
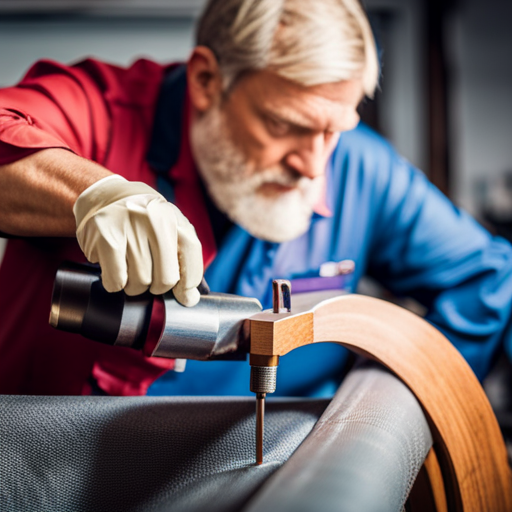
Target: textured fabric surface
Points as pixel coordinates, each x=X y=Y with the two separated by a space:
x=363 y=454
x=132 y=453
x=197 y=454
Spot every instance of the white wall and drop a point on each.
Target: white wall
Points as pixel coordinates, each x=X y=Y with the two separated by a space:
x=116 y=40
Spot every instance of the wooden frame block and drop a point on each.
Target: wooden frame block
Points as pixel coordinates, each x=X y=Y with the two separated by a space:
x=468 y=443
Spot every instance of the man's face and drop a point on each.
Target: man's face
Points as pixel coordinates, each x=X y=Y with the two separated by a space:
x=262 y=149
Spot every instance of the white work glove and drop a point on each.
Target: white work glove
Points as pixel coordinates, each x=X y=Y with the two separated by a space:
x=139 y=239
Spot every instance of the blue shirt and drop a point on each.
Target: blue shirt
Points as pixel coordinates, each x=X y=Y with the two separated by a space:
x=397 y=228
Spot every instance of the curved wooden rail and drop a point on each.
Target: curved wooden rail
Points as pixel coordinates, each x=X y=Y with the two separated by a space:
x=467 y=438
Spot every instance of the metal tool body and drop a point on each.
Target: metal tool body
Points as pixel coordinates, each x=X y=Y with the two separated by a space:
x=216 y=328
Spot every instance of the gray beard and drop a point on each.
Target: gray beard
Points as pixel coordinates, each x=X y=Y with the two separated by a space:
x=234 y=185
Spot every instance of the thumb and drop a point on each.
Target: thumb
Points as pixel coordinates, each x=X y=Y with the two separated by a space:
x=187 y=297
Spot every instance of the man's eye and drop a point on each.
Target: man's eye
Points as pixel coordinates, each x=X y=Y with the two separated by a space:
x=276 y=127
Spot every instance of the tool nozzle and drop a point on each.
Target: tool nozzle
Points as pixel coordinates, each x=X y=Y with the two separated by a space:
x=263 y=379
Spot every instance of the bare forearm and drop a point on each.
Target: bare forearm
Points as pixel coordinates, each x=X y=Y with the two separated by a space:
x=37 y=193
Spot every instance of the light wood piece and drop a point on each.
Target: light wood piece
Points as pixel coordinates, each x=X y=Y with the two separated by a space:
x=467 y=439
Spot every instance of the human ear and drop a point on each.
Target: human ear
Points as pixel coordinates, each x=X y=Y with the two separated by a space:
x=204 y=78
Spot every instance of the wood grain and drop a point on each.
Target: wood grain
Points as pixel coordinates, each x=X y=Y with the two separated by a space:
x=468 y=441
x=278 y=334
x=435 y=477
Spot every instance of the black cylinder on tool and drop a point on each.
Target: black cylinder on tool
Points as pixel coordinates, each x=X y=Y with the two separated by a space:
x=216 y=328
x=81 y=305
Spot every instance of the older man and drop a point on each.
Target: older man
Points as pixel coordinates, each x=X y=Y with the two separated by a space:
x=262 y=171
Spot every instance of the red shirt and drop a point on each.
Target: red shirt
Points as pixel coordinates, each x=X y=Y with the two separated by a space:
x=103 y=113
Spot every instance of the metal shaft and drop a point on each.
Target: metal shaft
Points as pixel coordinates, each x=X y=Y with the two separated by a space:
x=260 y=426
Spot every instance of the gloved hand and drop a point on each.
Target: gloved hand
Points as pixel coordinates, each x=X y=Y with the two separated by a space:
x=139 y=239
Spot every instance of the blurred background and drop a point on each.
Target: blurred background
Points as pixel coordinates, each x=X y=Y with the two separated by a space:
x=446 y=96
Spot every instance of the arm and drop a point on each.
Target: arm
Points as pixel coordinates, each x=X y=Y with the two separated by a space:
x=37 y=193
x=53 y=125
x=46 y=189
x=425 y=247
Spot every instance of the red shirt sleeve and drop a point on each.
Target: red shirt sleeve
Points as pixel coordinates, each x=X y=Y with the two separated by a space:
x=9 y=153
x=54 y=106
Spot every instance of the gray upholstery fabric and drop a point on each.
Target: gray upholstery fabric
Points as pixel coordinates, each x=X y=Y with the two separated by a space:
x=363 y=455
x=141 y=453
x=197 y=454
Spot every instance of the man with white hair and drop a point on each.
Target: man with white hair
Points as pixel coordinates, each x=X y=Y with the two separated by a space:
x=246 y=164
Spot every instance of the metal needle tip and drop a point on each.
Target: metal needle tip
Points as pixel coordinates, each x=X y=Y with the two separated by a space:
x=260 y=424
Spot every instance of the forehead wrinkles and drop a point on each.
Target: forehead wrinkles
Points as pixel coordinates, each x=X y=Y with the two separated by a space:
x=310 y=111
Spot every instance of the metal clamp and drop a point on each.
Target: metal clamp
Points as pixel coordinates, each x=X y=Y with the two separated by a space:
x=281 y=296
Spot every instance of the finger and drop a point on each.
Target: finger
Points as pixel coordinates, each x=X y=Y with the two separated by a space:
x=138 y=254
x=185 y=297
x=190 y=254
x=87 y=237
x=190 y=258
x=111 y=255
x=163 y=243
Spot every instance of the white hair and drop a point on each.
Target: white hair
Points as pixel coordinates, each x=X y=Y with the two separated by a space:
x=307 y=41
